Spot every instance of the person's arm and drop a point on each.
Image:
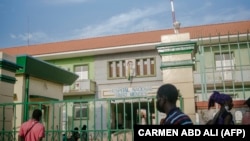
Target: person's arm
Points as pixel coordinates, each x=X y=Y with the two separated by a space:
x=162 y=121
x=21 y=134
x=42 y=134
x=228 y=119
x=40 y=139
x=214 y=119
x=20 y=138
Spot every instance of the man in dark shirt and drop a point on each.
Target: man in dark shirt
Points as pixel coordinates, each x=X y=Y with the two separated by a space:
x=167 y=96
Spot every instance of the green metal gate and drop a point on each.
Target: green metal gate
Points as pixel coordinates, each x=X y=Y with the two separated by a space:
x=105 y=119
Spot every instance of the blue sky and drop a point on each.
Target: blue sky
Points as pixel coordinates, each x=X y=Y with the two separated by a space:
x=26 y=22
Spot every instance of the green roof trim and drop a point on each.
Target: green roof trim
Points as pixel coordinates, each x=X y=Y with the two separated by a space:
x=8 y=79
x=175 y=64
x=10 y=66
x=176 y=52
x=44 y=70
x=177 y=44
x=176 y=47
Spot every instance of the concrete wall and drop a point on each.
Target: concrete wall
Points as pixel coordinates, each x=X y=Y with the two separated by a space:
x=180 y=76
x=39 y=87
x=6 y=93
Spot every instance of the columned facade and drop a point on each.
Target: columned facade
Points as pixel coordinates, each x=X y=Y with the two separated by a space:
x=177 y=56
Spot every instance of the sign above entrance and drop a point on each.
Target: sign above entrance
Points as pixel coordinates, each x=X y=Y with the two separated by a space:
x=124 y=92
x=131 y=92
x=136 y=100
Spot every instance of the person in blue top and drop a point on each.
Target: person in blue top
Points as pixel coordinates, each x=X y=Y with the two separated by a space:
x=223 y=116
x=167 y=96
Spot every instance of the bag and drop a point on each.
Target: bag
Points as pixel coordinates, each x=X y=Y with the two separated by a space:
x=30 y=129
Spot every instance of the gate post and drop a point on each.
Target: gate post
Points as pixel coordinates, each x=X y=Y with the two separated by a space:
x=177 y=53
x=26 y=99
x=8 y=69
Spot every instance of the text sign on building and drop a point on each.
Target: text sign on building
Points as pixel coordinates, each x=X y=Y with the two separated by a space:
x=131 y=92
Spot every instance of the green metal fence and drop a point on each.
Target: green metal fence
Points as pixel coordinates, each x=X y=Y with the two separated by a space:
x=223 y=64
x=105 y=119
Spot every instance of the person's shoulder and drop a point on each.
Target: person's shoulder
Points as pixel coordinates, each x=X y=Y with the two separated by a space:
x=225 y=113
x=228 y=114
x=184 y=115
x=184 y=119
x=40 y=125
x=26 y=122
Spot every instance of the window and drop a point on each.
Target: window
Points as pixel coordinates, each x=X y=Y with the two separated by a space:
x=141 y=67
x=117 y=69
x=152 y=66
x=224 y=61
x=80 y=111
x=123 y=68
x=110 y=69
x=82 y=72
x=145 y=67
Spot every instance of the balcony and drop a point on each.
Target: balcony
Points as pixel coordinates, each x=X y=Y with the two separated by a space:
x=226 y=77
x=80 y=87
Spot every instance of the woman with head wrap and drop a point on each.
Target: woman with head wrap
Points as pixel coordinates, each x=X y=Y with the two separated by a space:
x=223 y=116
x=246 y=115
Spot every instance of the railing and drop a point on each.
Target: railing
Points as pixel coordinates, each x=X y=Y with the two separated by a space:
x=211 y=76
x=85 y=86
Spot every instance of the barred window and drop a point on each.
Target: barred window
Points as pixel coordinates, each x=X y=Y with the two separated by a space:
x=224 y=61
x=139 y=67
x=80 y=111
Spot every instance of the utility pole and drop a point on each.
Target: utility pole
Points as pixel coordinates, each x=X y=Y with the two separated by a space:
x=176 y=24
x=28 y=28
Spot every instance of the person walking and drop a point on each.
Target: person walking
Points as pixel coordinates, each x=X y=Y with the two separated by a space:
x=223 y=116
x=84 y=133
x=75 y=134
x=32 y=130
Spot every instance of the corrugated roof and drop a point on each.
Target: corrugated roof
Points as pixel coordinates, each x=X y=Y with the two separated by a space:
x=129 y=39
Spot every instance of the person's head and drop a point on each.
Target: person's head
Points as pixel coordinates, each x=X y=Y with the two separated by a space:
x=75 y=131
x=37 y=114
x=247 y=102
x=84 y=127
x=224 y=100
x=167 y=96
x=76 y=128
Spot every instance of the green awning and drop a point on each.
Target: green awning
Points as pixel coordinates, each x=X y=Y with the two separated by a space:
x=44 y=70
